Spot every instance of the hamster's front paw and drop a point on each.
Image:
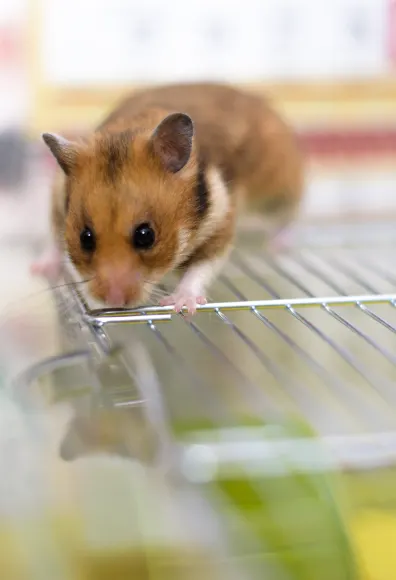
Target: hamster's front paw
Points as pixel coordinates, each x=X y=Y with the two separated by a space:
x=183 y=299
x=49 y=265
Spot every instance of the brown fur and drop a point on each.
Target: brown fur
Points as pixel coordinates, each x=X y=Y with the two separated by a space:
x=236 y=131
x=116 y=181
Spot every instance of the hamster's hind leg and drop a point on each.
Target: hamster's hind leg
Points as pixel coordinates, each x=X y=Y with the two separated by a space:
x=282 y=239
x=278 y=224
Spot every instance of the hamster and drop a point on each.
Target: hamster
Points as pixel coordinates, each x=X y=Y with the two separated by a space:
x=158 y=186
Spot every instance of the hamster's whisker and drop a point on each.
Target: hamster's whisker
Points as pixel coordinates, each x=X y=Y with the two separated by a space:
x=156 y=291
x=73 y=283
x=157 y=295
x=9 y=310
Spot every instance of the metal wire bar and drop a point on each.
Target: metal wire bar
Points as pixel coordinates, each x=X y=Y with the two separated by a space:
x=323 y=373
x=276 y=370
x=340 y=319
x=116 y=316
x=330 y=282
x=365 y=374
x=352 y=274
x=335 y=315
x=254 y=389
x=322 y=304
x=379 y=269
x=215 y=410
x=101 y=320
x=131 y=316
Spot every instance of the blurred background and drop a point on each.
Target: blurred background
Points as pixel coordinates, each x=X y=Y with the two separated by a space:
x=330 y=67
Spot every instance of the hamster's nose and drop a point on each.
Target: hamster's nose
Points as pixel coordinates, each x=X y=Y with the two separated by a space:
x=119 y=285
x=115 y=297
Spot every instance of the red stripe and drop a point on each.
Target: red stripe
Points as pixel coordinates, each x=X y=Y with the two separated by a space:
x=351 y=143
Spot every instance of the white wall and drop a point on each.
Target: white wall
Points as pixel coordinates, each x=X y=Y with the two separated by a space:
x=131 y=40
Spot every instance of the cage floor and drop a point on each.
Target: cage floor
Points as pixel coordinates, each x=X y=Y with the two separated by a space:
x=336 y=366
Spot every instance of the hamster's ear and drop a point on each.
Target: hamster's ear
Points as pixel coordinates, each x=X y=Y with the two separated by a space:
x=64 y=151
x=172 y=141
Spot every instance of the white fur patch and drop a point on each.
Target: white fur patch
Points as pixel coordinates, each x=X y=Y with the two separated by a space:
x=184 y=240
x=218 y=210
x=198 y=277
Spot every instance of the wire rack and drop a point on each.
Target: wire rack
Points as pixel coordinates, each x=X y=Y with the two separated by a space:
x=310 y=333
x=225 y=402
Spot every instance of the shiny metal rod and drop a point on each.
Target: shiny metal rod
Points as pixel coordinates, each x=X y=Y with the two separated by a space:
x=159 y=313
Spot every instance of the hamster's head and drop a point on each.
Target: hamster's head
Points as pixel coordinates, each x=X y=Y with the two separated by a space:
x=130 y=206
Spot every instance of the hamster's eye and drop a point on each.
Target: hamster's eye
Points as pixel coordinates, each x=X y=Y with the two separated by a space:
x=87 y=240
x=143 y=237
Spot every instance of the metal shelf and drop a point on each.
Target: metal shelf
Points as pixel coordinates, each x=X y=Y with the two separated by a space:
x=309 y=333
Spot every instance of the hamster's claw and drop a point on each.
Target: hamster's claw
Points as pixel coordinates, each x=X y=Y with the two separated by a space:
x=179 y=301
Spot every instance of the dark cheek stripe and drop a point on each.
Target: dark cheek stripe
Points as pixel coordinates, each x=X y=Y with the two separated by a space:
x=202 y=192
x=67 y=197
